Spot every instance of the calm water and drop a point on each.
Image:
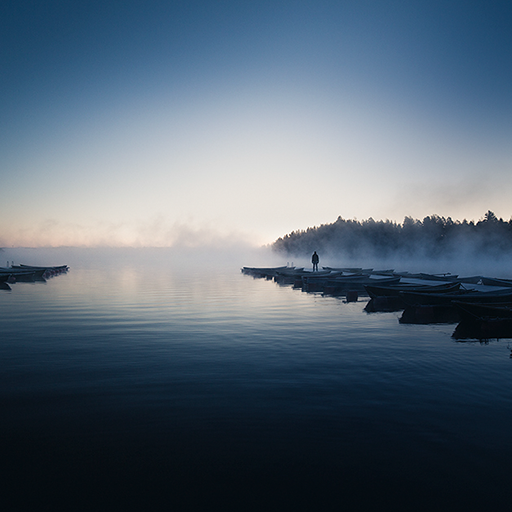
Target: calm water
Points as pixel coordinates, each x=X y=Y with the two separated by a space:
x=144 y=381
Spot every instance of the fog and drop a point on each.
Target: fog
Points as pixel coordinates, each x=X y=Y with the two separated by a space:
x=433 y=245
x=184 y=257
x=233 y=257
x=464 y=265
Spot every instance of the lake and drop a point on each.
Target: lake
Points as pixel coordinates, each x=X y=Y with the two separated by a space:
x=144 y=379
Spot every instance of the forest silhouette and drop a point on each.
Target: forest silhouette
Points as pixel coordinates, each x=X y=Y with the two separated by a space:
x=432 y=237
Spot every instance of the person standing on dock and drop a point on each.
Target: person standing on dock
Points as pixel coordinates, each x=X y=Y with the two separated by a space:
x=315 y=259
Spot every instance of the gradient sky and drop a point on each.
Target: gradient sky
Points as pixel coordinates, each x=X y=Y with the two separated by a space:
x=164 y=122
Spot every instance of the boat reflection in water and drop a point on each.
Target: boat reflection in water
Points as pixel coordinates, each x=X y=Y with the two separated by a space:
x=384 y=305
x=475 y=321
x=429 y=314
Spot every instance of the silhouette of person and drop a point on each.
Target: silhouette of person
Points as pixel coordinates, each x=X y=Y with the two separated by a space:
x=315 y=259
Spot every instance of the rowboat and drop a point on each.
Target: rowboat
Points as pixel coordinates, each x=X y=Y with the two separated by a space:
x=29 y=273
x=263 y=271
x=58 y=268
x=321 y=276
x=388 y=298
x=349 y=270
x=310 y=273
x=470 y=280
x=429 y=277
x=363 y=281
x=422 y=298
x=394 y=290
x=341 y=284
x=297 y=276
x=21 y=274
x=493 y=281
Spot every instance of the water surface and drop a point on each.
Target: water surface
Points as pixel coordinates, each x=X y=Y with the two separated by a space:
x=146 y=381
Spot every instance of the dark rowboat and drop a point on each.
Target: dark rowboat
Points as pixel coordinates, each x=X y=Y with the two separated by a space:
x=25 y=274
x=388 y=298
x=422 y=298
x=428 y=277
x=58 y=268
x=296 y=277
x=394 y=290
x=342 y=284
x=470 y=280
x=264 y=271
x=492 y=281
x=350 y=270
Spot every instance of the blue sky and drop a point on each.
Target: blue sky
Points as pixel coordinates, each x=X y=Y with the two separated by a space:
x=160 y=123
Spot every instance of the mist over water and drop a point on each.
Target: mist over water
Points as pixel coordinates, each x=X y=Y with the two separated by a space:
x=462 y=264
x=165 y=378
x=234 y=255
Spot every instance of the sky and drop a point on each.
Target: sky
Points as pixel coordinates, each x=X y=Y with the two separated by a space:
x=161 y=123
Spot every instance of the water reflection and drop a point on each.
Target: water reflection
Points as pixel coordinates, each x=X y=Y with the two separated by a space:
x=483 y=329
x=149 y=383
x=384 y=305
x=430 y=314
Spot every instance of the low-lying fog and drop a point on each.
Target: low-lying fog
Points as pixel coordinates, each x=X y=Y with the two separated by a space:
x=236 y=256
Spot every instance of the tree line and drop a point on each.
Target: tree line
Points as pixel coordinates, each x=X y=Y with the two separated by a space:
x=434 y=236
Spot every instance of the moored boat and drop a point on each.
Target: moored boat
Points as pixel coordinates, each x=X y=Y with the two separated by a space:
x=293 y=277
x=493 y=281
x=394 y=290
x=388 y=298
x=58 y=268
x=429 y=277
x=264 y=271
x=341 y=284
x=23 y=274
x=29 y=273
x=350 y=270
x=422 y=298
